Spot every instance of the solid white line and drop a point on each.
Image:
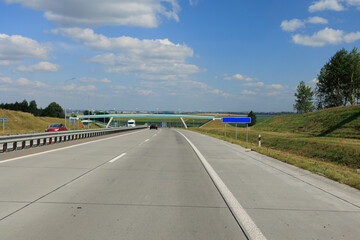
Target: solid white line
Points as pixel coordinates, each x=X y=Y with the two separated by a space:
x=241 y=215
x=58 y=149
x=118 y=157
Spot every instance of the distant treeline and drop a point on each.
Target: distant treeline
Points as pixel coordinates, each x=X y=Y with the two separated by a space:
x=52 y=110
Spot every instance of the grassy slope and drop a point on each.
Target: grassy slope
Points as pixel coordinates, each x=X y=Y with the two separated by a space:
x=287 y=138
x=21 y=122
x=343 y=122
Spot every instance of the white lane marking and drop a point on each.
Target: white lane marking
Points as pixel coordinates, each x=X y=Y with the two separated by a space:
x=58 y=149
x=147 y=140
x=241 y=215
x=117 y=158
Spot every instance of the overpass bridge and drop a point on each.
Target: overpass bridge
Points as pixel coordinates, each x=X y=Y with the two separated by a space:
x=164 y=116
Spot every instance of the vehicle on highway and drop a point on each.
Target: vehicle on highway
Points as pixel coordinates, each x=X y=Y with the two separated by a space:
x=55 y=127
x=131 y=123
x=153 y=126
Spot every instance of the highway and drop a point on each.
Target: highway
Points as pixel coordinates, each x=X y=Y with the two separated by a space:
x=167 y=184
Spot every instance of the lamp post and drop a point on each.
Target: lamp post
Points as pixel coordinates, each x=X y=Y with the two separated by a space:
x=65 y=96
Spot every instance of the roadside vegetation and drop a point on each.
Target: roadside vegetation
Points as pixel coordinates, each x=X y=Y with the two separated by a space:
x=22 y=122
x=326 y=142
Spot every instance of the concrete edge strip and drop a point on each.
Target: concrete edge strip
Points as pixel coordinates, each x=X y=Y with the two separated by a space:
x=58 y=149
x=239 y=212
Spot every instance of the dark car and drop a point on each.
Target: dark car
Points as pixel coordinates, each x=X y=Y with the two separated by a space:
x=55 y=127
x=153 y=126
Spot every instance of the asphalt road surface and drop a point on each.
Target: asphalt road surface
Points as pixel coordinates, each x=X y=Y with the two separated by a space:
x=167 y=184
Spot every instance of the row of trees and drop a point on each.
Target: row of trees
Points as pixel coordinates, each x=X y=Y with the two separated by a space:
x=52 y=110
x=338 y=84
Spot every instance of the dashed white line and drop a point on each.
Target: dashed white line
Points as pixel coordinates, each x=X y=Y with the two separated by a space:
x=147 y=140
x=117 y=158
x=239 y=212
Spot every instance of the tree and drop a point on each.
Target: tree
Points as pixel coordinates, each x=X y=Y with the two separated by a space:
x=253 y=118
x=53 y=110
x=24 y=106
x=304 y=98
x=33 y=108
x=339 y=80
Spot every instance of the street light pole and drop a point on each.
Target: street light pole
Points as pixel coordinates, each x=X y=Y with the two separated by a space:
x=65 y=97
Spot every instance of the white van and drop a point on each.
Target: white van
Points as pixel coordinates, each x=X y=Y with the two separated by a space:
x=131 y=123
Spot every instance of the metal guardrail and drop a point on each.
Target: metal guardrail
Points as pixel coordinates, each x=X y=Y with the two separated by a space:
x=19 y=142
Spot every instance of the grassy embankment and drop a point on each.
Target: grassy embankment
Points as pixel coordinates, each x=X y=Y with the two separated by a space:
x=22 y=123
x=325 y=142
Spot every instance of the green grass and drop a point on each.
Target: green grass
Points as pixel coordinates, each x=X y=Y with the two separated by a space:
x=343 y=122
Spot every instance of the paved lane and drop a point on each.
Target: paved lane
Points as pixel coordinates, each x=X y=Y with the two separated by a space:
x=158 y=190
x=152 y=185
x=285 y=202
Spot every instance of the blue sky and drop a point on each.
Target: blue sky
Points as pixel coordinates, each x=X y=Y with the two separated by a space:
x=181 y=55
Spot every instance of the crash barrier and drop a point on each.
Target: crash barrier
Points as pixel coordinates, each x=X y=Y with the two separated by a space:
x=23 y=141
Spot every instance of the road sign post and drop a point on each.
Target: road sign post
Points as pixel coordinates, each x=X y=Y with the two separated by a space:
x=3 y=121
x=236 y=131
x=237 y=120
x=259 y=140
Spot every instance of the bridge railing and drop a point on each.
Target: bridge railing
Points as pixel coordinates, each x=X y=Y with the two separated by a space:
x=18 y=142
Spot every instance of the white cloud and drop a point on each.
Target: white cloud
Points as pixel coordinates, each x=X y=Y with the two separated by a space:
x=292 y=25
x=327 y=36
x=105 y=12
x=247 y=92
x=7 y=62
x=148 y=58
x=23 y=81
x=317 y=20
x=193 y=2
x=86 y=88
x=276 y=86
x=15 y=47
x=39 y=67
x=314 y=81
x=323 y=5
x=257 y=84
x=335 y=5
x=295 y=24
x=5 y=80
x=199 y=88
x=270 y=94
x=143 y=92
x=94 y=80
x=69 y=87
x=237 y=77
x=74 y=87
x=40 y=84
x=355 y=3
x=352 y=37
x=321 y=38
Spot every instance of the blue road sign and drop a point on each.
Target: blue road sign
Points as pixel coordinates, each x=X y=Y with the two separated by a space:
x=236 y=120
x=3 y=120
